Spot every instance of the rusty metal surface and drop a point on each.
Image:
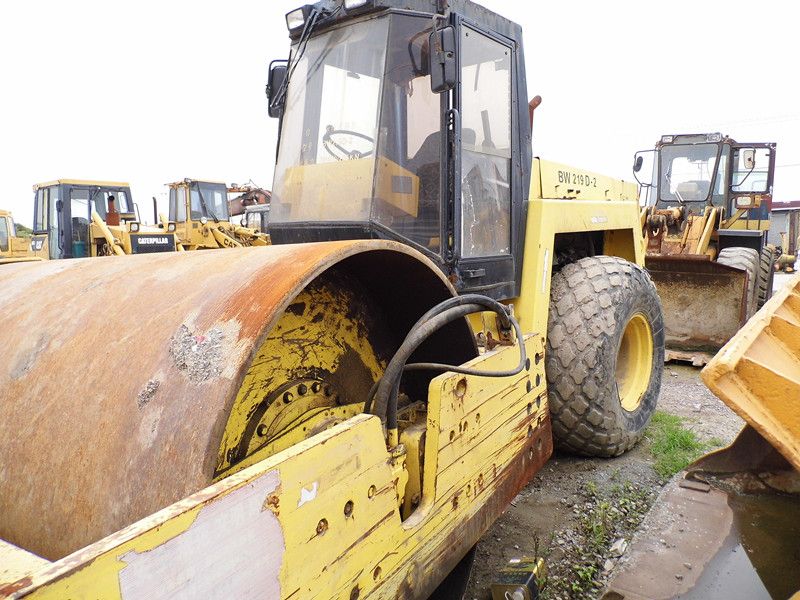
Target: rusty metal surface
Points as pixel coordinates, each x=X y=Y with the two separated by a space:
x=703 y=301
x=119 y=375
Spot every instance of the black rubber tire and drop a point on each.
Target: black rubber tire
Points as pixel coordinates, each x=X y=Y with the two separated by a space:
x=766 y=274
x=591 y=302
x=746 y=259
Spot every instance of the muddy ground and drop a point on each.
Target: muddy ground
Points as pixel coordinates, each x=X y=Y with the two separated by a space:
x=549 y=517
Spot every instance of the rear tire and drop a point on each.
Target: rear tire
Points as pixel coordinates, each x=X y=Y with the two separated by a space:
x=605 y=355
x=766 y=274
x=746 y=259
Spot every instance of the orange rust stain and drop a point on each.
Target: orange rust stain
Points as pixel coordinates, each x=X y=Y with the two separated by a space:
x=10 y=588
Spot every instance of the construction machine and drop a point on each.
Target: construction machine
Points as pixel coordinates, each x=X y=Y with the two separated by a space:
x=14 y=248
x=319 y=419
x=706 y=222
x=200 y=210
x=77 y=218
x=257 y=218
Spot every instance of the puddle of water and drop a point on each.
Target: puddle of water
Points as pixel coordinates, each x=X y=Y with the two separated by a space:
x=761 y=556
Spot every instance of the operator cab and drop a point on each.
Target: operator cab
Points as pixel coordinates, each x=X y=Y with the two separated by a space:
x=63 y=209
x=698 y=170
x=192 y=200
x=372 y=146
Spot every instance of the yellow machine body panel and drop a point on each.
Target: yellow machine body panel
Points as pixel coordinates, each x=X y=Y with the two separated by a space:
x=344 y=190
x=555 y=180
x=617 y=219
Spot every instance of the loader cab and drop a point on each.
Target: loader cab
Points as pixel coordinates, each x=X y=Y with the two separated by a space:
x=257 y=217
x=62 y=214
x=193 y=203
x=699 y=170
x=371 y=146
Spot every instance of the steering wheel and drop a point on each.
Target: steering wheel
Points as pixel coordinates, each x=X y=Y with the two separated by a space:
x=337 y=151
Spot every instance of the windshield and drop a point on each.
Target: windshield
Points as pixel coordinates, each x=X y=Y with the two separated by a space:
x=209 y=200
x=100 y=198
x=360 y=133
x=687 y=172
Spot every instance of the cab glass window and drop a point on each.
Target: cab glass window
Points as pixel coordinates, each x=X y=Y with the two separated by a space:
x=486 y=145
x=4 y=234
x=750 y=178
x=407 y=180
x=40 y=218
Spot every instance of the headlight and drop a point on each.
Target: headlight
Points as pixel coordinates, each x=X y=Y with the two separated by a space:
x=666 y=139
x=744 y=202
x=350 y=4
x=714 y=137
x=133 y=227
x=203 y=220
x=171 y=227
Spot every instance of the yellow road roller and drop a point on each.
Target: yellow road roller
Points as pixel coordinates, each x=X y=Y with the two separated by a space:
x=342 y=414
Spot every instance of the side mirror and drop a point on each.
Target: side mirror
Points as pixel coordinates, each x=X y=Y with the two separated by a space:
x=639 y=166
x=749 y=158
x=442 y=59
x=276 y=95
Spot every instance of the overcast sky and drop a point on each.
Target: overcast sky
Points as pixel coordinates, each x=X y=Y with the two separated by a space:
x=151 y=92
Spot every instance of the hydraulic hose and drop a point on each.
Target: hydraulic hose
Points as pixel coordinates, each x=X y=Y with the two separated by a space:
x=386 y=390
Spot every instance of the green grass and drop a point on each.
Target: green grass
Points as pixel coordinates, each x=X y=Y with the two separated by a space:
x=673 y=445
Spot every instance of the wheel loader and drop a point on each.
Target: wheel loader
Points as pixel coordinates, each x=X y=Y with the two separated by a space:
x=706 y=224
x=344 y=413
x=14 y=248
x=78 y=218
x=200 y=211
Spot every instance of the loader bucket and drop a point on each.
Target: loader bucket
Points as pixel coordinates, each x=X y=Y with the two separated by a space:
x=729 y=526
x=757 y=373
x=705 y=304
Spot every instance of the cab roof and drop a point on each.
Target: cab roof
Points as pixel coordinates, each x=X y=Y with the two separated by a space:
x=189 y=180
x=466 y=8
x=86 y=182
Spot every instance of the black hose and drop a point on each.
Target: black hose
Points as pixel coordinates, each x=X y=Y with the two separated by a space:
x=467 y=371
x=386 y=390
x=385 y=404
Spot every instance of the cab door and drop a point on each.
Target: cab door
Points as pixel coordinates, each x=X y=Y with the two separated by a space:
x=752 y=175
x=485 y=214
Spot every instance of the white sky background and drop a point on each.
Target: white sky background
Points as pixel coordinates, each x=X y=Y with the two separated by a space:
x=151 y=92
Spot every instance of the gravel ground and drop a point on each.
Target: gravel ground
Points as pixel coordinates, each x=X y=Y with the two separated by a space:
x=557 y=514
